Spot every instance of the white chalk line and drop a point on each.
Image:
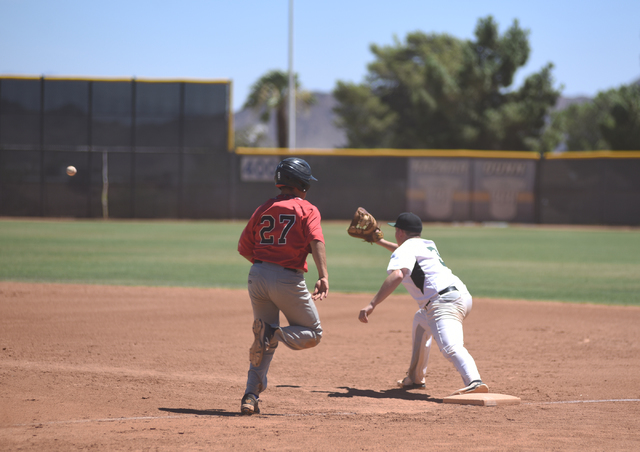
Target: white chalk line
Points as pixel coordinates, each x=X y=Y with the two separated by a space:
x=153 y=418
x=111 y=419
x=581 y=401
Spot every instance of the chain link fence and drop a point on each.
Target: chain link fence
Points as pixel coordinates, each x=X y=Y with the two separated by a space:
x=164 y=149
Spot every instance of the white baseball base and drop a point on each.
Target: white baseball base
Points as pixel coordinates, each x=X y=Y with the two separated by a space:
x=487 y=399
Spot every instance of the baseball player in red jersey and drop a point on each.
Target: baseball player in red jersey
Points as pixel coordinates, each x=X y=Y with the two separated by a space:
x=443 y=299
x=277 y=240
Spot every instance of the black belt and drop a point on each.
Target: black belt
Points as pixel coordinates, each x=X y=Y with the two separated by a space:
x=447 y=290
x=256 y=261
x=442 y=292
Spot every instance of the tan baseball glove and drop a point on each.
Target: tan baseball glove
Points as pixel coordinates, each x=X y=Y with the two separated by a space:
x=364 y=226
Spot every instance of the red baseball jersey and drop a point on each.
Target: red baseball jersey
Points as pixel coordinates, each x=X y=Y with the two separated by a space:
x=281 y=230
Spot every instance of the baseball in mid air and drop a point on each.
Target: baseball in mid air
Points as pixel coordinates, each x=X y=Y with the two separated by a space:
x=71 y=170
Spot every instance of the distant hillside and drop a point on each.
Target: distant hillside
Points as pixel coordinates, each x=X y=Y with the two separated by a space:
x=564 y=102
x=315 y=127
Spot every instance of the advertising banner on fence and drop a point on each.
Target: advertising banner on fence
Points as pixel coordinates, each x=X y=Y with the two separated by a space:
x=465 y=189
x=438 y=188
x=256 y=168
x=504 y=190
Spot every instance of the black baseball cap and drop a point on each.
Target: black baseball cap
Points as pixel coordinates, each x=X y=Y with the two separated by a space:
x=408 y=221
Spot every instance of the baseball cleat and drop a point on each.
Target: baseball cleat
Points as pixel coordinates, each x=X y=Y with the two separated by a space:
x=261 y=332
x=474 y=387
x=249 y=405
x=407 y=383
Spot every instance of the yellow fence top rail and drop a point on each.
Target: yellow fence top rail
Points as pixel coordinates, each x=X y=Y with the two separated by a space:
x=112 y=79
x=390 y=153
x=594 y=155
x=469 y=153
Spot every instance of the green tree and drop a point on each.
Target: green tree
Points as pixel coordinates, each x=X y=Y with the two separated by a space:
x=611 y=121
x=576 y=128
x=436 y=91
x=270 y=93
x=620 y=123
x=253 y=136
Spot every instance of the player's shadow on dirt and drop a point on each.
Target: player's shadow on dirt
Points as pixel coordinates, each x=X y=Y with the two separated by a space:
x=214 y=412
x=396 y=393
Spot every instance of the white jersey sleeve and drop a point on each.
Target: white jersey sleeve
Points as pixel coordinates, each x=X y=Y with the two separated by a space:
x=425 y=274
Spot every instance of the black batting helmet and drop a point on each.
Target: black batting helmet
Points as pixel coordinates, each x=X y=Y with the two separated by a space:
x=293 y=172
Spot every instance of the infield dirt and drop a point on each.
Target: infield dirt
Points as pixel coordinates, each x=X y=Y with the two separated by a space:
x=131 y=368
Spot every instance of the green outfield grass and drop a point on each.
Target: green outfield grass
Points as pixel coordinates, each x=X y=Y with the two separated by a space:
x=535 y=263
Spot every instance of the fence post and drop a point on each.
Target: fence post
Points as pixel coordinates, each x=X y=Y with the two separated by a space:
x=89 y=147
x=537 y=188
x=105 y=185
x=41 y=143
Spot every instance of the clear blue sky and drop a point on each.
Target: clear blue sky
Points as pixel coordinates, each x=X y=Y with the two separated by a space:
x=594 y=45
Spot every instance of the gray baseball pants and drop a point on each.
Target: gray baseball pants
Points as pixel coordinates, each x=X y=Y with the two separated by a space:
x=274 y=289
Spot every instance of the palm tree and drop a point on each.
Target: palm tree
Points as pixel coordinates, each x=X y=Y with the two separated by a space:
x=270 y=93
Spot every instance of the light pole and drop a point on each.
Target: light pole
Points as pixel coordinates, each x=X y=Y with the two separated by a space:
x=292 y=86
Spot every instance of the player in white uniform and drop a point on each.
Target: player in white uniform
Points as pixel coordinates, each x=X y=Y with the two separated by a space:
x=443 y=299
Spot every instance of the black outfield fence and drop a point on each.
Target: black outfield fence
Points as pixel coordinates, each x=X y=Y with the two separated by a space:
x=459 y=185
x=164 y=149
x=590 y=188
x=162 y=146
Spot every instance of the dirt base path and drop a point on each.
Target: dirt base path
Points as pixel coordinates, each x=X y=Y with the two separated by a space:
x=122 y=368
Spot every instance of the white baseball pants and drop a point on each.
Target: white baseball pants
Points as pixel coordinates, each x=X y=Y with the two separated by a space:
x=442 y=321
